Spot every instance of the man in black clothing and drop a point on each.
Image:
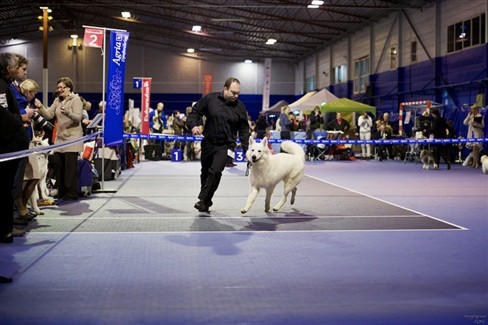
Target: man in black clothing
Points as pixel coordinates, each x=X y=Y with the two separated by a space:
x=439 y=130
x=13 y=137
x=226 y=117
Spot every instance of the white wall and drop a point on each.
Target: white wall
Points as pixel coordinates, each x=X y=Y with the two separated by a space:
x=389 y=31
x=170 y=72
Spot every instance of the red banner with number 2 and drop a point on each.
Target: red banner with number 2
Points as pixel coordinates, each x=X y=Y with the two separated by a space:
x=93 y=37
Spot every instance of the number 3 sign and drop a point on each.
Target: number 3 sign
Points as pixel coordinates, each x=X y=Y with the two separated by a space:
x=93 y=37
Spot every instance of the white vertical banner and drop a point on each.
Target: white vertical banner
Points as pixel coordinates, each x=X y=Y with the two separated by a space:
x=267 y=83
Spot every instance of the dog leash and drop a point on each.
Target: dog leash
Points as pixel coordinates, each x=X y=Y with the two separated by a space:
x=247 y=168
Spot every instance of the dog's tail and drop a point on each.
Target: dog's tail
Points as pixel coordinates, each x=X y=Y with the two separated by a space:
x=292 y=148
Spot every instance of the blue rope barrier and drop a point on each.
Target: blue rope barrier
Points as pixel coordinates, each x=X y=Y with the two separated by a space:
x=27 y=152
x=171 y=137
x=190 y=138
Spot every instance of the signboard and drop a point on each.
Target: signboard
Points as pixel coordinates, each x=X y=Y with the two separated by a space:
x=93 y=37
x=145 y=104
x=114 y=111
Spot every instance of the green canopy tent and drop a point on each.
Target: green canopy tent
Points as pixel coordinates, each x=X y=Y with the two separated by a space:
x=345 y=105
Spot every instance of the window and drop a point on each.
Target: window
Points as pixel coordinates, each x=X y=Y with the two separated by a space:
x=340 y=74
x=393 y=58
x=466 y=33
x=310 y=83
x=413 y=52
x=361 y=75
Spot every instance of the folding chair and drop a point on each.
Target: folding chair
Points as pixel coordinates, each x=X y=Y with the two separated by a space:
x=319 y=150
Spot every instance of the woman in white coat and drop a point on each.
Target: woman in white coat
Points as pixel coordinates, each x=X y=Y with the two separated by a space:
x=476 y=124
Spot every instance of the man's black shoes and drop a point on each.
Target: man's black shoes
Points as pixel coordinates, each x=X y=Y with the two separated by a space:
x=201 y=206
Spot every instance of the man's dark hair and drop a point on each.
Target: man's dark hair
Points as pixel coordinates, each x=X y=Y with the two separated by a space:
x=229 y=81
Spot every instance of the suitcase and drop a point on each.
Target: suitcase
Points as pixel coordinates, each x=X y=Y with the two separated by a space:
x=85 y=177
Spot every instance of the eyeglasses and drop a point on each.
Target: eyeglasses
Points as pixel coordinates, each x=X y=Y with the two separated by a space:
x=61 y=87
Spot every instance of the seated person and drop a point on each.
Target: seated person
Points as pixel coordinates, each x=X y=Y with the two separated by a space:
x=339 y=124
x=382 y=133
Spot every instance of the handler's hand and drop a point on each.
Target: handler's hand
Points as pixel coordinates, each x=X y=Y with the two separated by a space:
x=196 y=130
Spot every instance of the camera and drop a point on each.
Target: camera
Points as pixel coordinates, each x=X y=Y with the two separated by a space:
x=40 y=121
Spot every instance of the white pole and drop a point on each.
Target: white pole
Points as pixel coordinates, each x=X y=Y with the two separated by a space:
x=103 y=94
x=104 y=107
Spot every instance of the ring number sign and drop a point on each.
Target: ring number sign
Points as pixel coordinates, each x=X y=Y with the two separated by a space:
x=93 y=37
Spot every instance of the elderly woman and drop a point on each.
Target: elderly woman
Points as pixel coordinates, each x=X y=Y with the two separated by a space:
x=476 y=124
x=67 y=108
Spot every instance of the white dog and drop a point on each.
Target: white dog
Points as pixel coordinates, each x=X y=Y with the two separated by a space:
x=41 y=190
x=268 y=170
x=484 y=164
x=427 y=158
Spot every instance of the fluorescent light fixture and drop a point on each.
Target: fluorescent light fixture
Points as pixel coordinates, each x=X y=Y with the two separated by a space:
x=248 y=61
x=317 y=2
x=271 y=41
x=125 y=14
x=312 y=6
x=197 y=29
x=14 y=41
x=227 y=19
x=190 y=50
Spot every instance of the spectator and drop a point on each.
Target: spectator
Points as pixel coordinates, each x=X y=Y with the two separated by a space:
x=285 y=123
x=157 y=119
x=476 y=124
x=386 y=121
x=424 y=125
x=439 y=131
x=31 y=174
x=382 y=134
x=13 y=137
x=293 y=122
x=315 y=119
x=179 y=129
x=26 y=112
x=261 y=126
x=86 y=117
x=68 y=110
x=365 y=123
x=339 y=124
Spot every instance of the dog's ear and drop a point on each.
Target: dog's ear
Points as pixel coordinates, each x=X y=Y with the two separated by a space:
x=264 y=142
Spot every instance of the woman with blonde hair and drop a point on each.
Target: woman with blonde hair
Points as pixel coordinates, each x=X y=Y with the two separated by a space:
x=475 y=123
x=67 y=108
x=28 y=90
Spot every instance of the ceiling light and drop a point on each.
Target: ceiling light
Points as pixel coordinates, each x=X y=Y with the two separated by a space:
x=190 y=50
x=312 y=6
x=317 y=2
x=271 y=41
x=197 y=29
x=125 y=14
x=248 y=61
x=46 y=8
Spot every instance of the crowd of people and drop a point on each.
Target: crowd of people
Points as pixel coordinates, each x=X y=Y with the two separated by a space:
x=25 y=123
